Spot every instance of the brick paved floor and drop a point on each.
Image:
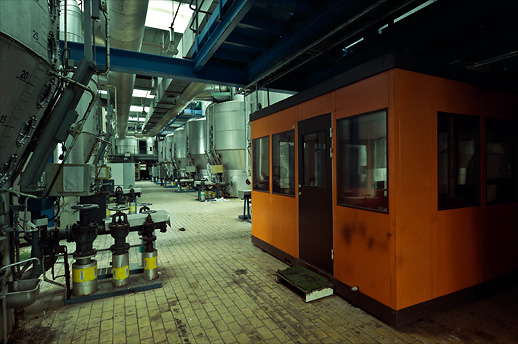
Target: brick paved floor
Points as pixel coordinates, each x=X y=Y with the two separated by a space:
x=219 y=288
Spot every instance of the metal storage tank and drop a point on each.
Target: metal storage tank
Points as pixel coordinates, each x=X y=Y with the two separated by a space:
x=227 y=127
x=150 y=146
x=28 y=42
x=180 y=152
x=169 y=146
x=126 y=146
x=161 y=151
x=197 y=145
x=84 y=146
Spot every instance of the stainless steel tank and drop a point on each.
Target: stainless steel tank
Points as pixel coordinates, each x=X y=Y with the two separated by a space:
x=169 y=152
x=150 y=146
x=161 y=151
x=197 y=145
x=83 y=149
x=180 y=151
x=227 y=128
x=29 y=49
x=169 y=147
x=126 y=146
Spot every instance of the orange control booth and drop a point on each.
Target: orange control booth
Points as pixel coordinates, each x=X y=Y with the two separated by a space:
x=400 y=186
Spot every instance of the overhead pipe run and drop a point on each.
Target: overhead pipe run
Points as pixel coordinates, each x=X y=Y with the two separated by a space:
x=127 y=20
x=191 y=91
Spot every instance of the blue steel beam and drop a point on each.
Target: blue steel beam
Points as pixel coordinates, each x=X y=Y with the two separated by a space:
x=290 y=46
x=132 y=62
x=218 y=28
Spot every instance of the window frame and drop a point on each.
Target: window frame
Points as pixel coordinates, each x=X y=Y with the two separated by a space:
x=478 y=190
x=293 y=163
x=267 y=137
x=514 y=125
x=337 y=149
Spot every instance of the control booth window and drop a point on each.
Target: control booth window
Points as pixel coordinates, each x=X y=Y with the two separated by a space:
x=458 y=160
x=283 y=163
x=362 y=161
x=501 y=159
x=261 y=164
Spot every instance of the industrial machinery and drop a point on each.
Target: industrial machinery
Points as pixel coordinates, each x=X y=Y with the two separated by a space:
x=50 y=112
x=184 y=166
x=228 y=143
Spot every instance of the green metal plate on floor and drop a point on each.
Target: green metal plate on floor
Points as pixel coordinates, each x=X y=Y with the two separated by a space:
x=304 y=279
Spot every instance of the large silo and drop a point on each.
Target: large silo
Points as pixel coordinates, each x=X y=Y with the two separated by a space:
x=197 y=145
x=169 y=151
x=180 y=151
x=29 y=46
x=227 y=131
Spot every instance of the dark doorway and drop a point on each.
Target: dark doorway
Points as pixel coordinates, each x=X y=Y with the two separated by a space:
x=315 y=192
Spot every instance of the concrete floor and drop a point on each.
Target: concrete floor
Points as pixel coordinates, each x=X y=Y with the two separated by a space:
x=219 y=288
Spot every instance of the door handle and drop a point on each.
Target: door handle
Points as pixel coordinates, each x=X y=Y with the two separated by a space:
x=300 y=193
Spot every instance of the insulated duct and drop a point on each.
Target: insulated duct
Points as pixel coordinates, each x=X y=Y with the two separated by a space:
x=127 y=20
x=191 y=91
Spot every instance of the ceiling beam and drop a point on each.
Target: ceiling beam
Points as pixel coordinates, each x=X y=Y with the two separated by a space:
x=132 y=62
x=218 y=28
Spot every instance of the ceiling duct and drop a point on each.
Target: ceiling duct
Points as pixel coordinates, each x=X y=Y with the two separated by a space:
x=191 y=91
x=127 y=20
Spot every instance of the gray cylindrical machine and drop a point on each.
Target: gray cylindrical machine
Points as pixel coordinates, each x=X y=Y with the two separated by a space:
x=29 y=46
x=120 y=269
x=161 y=151
x=126 y=146
x=197 y=145
x=169 y=151
x=180 y=153
x=84 y=277
x=227 y=126
x=150 y=146
x=84 y=146
x=150 y=265
x=169 y=146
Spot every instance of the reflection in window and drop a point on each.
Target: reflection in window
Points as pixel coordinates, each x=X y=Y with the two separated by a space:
x=362 y=161
x=261 y=164
x=283 y=163
x=315 y=159
x=501 y=150
x=458 y=160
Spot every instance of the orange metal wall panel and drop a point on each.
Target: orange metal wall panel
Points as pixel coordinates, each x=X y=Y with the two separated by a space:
x=261 y=219
x=284 y=224
x=260 y=128
x=363 y=239
x=415 y=191
x=316 y=106
x=284 y=209
x=440 y=252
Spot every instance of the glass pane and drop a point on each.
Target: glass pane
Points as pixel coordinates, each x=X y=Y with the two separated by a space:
x=458 y=160
x=261 y=164
x=283 y=163
x=315 y=159
x=362 y=161
x=501 y=182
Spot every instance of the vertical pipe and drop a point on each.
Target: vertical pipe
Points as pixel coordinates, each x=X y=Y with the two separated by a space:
x=88 y=30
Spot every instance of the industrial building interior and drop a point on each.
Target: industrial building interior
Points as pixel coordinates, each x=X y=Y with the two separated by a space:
x=136 y=133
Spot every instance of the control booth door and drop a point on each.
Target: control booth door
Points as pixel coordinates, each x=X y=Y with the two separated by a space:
x=315 y=192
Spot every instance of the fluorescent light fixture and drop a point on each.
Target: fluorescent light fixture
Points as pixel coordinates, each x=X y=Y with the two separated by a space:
x=138 y=108
x=409 y=13
x=380 y=30
x=350 y=45
x=160 y=15
x=140 y=119
x=103 y=92
x=142 y=94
